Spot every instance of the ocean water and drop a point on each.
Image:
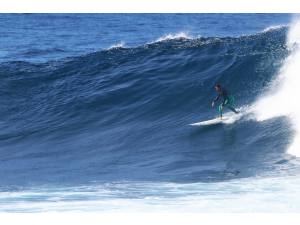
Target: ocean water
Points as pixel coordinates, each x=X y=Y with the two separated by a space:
x=95 y=113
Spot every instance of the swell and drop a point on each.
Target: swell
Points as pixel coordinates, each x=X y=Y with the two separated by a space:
x=122 y=108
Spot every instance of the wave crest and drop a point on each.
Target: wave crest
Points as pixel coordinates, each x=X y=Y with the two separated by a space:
x=180 y=35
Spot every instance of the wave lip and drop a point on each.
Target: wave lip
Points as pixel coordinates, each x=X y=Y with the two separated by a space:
x=180 y=35
x=275 y=27
x=118 y=45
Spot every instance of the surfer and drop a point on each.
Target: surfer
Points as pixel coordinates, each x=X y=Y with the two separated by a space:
x=227 y=99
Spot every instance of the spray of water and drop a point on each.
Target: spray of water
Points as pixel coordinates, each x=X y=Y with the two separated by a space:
x=181 y=35
x=282 y=98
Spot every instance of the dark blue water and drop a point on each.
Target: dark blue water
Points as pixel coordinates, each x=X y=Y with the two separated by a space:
x=77 y=111
x=41 y=37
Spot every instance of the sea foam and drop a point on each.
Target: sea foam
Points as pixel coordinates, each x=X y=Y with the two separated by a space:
x=281 y=98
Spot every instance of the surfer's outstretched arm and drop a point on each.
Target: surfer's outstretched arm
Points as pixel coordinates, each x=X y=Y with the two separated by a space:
x=216 y=99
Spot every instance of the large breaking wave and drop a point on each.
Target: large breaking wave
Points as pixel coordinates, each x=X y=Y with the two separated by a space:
x=123 y=113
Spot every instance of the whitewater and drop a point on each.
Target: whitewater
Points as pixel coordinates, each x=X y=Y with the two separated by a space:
x=281 y=98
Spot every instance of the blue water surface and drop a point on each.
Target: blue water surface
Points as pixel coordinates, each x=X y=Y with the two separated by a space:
x=42 y=37
x=95 y=109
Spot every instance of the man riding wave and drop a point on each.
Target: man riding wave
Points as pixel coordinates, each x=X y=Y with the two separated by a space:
x=227 y=100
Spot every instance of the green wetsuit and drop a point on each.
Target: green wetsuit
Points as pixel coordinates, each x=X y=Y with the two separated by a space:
x=227 y=101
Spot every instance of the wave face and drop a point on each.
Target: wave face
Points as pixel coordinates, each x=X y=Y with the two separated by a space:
x=123 y=114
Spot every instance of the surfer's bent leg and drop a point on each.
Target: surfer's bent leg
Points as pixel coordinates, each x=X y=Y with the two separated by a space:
x=229 y=102
x=232 y=109
x=221 y=109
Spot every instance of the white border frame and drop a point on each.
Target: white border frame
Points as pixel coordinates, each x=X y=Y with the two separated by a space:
x=150 y=6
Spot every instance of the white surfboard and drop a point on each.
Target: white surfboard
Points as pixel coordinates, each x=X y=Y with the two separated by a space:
x=211 y=122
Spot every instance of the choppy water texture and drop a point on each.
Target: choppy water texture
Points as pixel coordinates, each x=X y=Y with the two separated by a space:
x=95 y=112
